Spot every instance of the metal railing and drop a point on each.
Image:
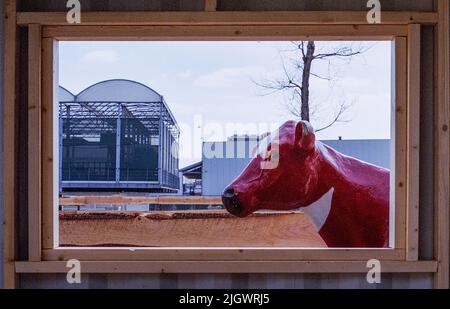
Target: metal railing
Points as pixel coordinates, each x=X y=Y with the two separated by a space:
x=102 y=171
x=147 y=203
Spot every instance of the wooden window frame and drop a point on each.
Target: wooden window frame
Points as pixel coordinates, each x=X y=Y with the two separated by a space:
x=403 y=28
x=404 y=211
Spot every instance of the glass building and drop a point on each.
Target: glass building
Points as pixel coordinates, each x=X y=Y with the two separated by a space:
x=117 y=135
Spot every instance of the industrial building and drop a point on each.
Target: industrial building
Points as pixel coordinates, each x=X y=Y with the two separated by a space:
x=213 y=174
x=117 y=135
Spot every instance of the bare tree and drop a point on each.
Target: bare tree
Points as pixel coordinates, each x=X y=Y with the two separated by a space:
x=297 y=80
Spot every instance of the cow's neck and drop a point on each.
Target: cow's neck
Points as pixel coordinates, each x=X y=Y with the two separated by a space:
x=334 y=212
x=338 y=168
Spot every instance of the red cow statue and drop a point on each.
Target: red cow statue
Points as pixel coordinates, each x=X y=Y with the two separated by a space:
x=346 y=199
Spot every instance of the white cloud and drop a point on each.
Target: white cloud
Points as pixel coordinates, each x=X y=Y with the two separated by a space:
x=185 y=75
x=228 y=76
x=101 y=56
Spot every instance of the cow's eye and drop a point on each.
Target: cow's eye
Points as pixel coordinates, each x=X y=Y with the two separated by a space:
x=275 y=155
x=270 y=155
x=266 y=154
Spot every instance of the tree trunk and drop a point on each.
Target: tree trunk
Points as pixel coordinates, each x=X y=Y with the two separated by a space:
x=307 y=61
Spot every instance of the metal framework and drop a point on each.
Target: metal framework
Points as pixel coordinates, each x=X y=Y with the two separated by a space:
x=117 y=135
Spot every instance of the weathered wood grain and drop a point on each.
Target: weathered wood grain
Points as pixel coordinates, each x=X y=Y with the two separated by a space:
x=187 y=229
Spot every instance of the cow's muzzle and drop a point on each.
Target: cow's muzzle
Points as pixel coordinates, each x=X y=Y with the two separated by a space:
x=231 y=202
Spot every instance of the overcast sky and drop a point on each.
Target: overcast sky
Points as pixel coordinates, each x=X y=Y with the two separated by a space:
x=212 y=85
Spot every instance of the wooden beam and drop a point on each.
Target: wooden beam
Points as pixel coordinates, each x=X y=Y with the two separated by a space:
x=205 y=228
x=400 y=139
x=413 y=110
x=49 y=144
x=221 y=254
x=210 y=5
x=9 y=145
x=139 y=200
x=442 y=147
x=228 y=18
x=34 y=142
x=130 y=267
x=245 y=32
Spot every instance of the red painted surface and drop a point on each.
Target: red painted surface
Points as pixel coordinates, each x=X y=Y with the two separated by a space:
x=306 y=170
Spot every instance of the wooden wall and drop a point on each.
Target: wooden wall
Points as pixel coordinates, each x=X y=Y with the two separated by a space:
x=226 y=5
x=228 y=281
x=114 y=5
x=250 y=280
x=318 y=5
x=1 y=141
x=426 y=184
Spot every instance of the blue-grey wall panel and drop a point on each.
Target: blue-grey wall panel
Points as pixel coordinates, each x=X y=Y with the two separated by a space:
x=22 y=167
x=426 y=171
x=114 y=5
x=226 y=5
x=228 y=281
x=318 y=5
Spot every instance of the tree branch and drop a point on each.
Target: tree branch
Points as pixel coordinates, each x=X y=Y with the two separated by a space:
x=336 y=54
x=337 y=118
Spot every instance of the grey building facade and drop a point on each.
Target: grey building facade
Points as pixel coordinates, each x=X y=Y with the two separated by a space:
x=219 y=171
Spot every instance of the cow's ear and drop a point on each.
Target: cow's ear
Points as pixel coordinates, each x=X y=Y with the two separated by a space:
x=305 y=137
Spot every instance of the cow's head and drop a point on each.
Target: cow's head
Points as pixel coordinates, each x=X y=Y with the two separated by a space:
x=288 y=183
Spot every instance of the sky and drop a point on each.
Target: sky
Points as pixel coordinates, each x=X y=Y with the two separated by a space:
x=214 y=88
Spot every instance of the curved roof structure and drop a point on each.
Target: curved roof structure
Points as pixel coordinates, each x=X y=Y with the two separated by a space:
x=65 y=95
x=119 y=90
x=136 y=100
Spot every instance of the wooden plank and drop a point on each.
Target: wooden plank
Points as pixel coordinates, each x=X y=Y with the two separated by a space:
x=245 y=32
x=49 y=145
x=34 y=142
x=216 y=228
x=9 y=145
x=210 y=5
x=220 y=254
x=130 y=267
x=139 y=200
x=228 y=18
x=413 y=110
x=400 y=132
x=442 y=147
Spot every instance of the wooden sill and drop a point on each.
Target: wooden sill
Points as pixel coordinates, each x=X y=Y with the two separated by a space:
x=227 y=267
